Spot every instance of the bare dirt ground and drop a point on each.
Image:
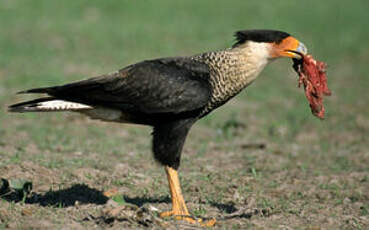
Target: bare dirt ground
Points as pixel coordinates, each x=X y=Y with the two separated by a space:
x=256 y=185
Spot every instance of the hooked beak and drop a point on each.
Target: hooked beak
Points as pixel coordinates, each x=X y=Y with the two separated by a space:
x=298 y=53
x=289 y=47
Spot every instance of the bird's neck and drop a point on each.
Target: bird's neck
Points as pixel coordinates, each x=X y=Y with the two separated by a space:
x=232 y=70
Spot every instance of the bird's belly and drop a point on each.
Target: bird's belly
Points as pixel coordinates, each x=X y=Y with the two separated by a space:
x=107 y=114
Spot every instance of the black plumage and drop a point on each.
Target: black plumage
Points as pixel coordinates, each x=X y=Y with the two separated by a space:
x=259 y=36
x=159 y=86
x=169 y=94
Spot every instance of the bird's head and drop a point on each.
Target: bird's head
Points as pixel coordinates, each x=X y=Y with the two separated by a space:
x=271 y=43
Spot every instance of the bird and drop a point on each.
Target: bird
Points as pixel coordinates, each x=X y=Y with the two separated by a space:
x=170 y=94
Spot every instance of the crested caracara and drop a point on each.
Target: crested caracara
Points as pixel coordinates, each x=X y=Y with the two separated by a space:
x=170 y=94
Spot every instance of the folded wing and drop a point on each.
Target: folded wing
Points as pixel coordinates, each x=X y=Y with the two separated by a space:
x=172 y=85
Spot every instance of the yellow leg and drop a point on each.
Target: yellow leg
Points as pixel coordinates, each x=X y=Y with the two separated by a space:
x=179 y=209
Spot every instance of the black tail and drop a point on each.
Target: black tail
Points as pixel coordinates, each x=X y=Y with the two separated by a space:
x=28 y=106
x=72 y=96
x=38 y=90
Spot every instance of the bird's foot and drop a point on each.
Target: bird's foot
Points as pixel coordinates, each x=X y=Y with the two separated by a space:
x=185 y=216
x=178 y=216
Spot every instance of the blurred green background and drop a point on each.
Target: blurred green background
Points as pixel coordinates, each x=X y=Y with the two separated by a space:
x=52 y=42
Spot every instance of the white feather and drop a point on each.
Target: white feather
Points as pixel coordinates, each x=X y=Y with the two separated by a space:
x=60 y=105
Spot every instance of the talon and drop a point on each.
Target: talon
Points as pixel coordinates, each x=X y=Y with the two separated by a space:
x=177 y=216
x=187 y=219
x=191 y=220
x=208 y=223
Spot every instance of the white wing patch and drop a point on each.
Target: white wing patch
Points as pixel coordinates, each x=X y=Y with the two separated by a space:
x=101 y=113
x=60 y=105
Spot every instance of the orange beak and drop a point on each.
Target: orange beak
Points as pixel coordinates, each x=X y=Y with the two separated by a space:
x=289 y=47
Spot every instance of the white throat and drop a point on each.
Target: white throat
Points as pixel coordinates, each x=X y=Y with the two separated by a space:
x=257 y=54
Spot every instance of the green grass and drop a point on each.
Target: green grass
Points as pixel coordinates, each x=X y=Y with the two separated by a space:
x=310 y=169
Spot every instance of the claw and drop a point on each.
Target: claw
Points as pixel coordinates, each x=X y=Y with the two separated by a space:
x=189 y=219
x=208 y=223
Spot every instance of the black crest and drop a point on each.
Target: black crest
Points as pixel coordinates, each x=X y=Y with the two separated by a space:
x=259 y=36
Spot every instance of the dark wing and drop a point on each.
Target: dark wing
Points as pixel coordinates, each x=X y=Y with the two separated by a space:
x=171 y=85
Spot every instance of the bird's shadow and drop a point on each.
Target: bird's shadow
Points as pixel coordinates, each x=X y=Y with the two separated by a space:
x=141 y=201
x=80 y=193
x=225 y=208
x=83 y=194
